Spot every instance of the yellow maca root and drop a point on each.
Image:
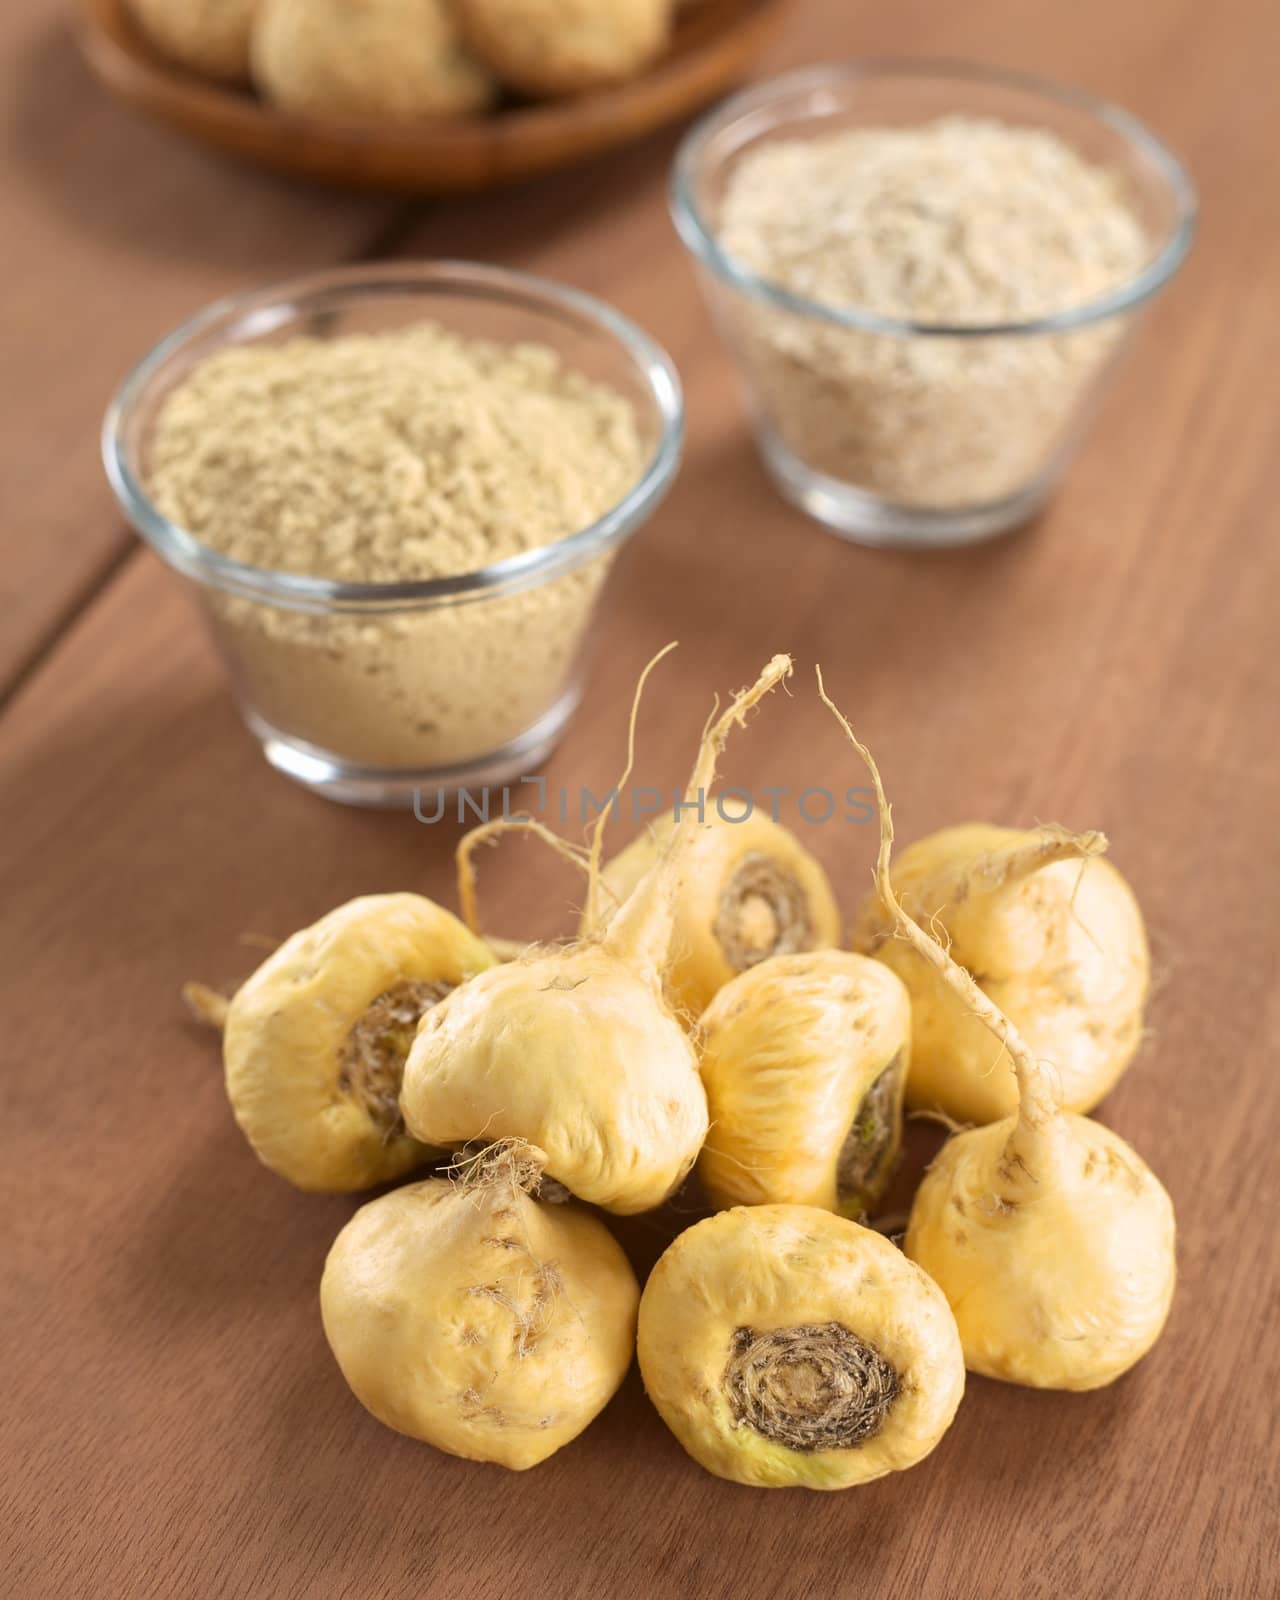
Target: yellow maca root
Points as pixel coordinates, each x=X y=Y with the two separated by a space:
x=1049 y=1235
x=210 y=37
x=470 y=1314
x=575 y=1049
x=1055 y=939
x=563 y=47
x=314 y=1043
x=386 y=62
x=750 y=890
x=787 y=1347
x=804 y=1059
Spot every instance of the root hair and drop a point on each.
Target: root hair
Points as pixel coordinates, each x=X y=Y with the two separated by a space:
x=1039 y=1104
x=514 y=1164
x=488 y=833
x=640 y=931
x=207 y=1005
x=595 y=852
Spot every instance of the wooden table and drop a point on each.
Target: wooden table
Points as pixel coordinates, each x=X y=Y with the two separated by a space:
x=173 y=1424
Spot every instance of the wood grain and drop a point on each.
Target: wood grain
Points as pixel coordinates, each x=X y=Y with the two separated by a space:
x=711 y=48
x=173 y=1423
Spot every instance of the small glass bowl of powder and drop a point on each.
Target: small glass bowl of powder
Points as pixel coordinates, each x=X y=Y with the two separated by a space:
x=399 y=491
x=924 y=273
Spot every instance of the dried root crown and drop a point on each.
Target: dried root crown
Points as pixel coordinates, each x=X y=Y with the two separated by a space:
x=811 y=1387
x=371 y=1064
x=870 y=1137
x=763 y=912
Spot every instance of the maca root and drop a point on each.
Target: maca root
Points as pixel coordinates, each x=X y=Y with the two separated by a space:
x=870 y=1135
x=371 y=1064
x=811 y=1387
x=763 y=912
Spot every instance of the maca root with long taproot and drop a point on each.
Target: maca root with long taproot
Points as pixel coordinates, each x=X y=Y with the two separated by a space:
x=1053 y=936
x=576 y=1049
x=1049 y=1235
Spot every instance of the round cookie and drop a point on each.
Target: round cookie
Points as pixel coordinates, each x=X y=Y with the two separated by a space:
x=556 y=47
x=385 y=60
x=210 y=37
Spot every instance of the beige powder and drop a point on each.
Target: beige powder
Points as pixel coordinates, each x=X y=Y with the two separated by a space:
x=958 y=221
x=378 y=458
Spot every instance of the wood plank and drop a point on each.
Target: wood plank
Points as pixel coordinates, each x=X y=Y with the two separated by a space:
x=174 y=1422
x=113 y=232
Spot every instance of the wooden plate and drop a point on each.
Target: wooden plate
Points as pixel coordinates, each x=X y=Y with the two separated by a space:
x=714 y=43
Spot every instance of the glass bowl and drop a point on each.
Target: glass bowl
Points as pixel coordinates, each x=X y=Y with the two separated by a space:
x=901 y=432
x=373 y=693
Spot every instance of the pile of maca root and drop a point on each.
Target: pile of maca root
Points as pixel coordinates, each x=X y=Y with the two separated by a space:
x=705 y=1016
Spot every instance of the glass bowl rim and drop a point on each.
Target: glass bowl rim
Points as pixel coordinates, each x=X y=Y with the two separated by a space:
x=701 y=241
x=258 y=310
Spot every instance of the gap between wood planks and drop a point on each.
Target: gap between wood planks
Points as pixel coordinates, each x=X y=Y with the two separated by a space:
x=560 y=197
x=383 y=243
